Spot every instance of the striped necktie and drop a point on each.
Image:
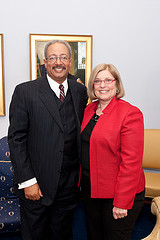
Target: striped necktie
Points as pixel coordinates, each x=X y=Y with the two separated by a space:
x=62 y=96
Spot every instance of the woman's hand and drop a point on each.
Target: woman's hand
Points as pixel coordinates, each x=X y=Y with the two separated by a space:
x=119 y=212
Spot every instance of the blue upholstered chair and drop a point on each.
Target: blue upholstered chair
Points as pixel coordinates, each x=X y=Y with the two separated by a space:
x=9 y=202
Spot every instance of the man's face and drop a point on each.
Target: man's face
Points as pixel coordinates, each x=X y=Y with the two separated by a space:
x=57 y=62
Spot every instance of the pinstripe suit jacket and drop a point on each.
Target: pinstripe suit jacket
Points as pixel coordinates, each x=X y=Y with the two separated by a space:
x=35 y=133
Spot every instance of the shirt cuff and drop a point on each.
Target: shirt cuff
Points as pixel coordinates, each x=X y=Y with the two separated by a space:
x=27 y=183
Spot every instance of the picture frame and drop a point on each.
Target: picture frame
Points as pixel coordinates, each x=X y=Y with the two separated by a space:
x=81 y=46
x=2 y=101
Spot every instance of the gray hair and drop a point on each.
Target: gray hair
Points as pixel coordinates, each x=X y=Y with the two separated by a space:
x=57 y=41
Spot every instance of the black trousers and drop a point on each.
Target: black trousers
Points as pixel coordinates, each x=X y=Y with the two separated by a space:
x=99 y=217
x=54 y=222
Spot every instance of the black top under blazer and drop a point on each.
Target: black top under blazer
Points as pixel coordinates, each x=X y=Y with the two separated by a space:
x=35 y=134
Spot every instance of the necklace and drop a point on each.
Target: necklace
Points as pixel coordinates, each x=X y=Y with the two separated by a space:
x=95 y=117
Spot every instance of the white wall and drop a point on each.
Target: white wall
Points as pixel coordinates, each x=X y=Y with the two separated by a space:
x=125 y=33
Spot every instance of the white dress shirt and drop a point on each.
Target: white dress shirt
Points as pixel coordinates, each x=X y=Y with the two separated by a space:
x=55 y=87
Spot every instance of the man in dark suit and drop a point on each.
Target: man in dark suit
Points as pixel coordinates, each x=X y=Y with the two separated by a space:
x=44 y=141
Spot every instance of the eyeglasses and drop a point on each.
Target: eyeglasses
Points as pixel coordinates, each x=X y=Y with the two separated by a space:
x=106 y=81
x=62 y=58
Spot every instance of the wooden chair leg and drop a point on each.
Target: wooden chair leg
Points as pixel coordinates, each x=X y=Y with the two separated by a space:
x=155 y=209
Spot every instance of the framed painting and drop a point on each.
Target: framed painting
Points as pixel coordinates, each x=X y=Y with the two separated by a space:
x=2 y=104
x=81 y=46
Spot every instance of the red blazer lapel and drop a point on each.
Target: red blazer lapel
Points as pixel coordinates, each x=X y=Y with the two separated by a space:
x=89 y=112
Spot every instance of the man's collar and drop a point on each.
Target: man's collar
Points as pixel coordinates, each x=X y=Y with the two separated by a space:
x=55 y=86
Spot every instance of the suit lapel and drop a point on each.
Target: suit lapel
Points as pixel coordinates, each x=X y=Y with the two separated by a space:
x=73 y=90
x=46 y=96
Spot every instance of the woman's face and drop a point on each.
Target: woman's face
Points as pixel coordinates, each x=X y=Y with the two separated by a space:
x=105 y=90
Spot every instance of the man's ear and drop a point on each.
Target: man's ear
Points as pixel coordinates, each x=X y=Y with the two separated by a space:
x=45 y=62
x=70 y=61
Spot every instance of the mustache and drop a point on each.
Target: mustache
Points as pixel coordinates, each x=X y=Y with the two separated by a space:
x=59 y=66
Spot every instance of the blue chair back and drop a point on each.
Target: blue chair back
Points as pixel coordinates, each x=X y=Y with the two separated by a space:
x=9 y=202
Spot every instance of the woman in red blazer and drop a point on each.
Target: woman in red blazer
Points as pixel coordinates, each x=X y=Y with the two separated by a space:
x=112 y=178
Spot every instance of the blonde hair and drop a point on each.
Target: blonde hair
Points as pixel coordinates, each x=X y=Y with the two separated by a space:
x=112 y=69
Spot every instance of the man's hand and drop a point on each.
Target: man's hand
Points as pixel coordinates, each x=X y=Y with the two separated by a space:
x=33 y=192
x=119 y=212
